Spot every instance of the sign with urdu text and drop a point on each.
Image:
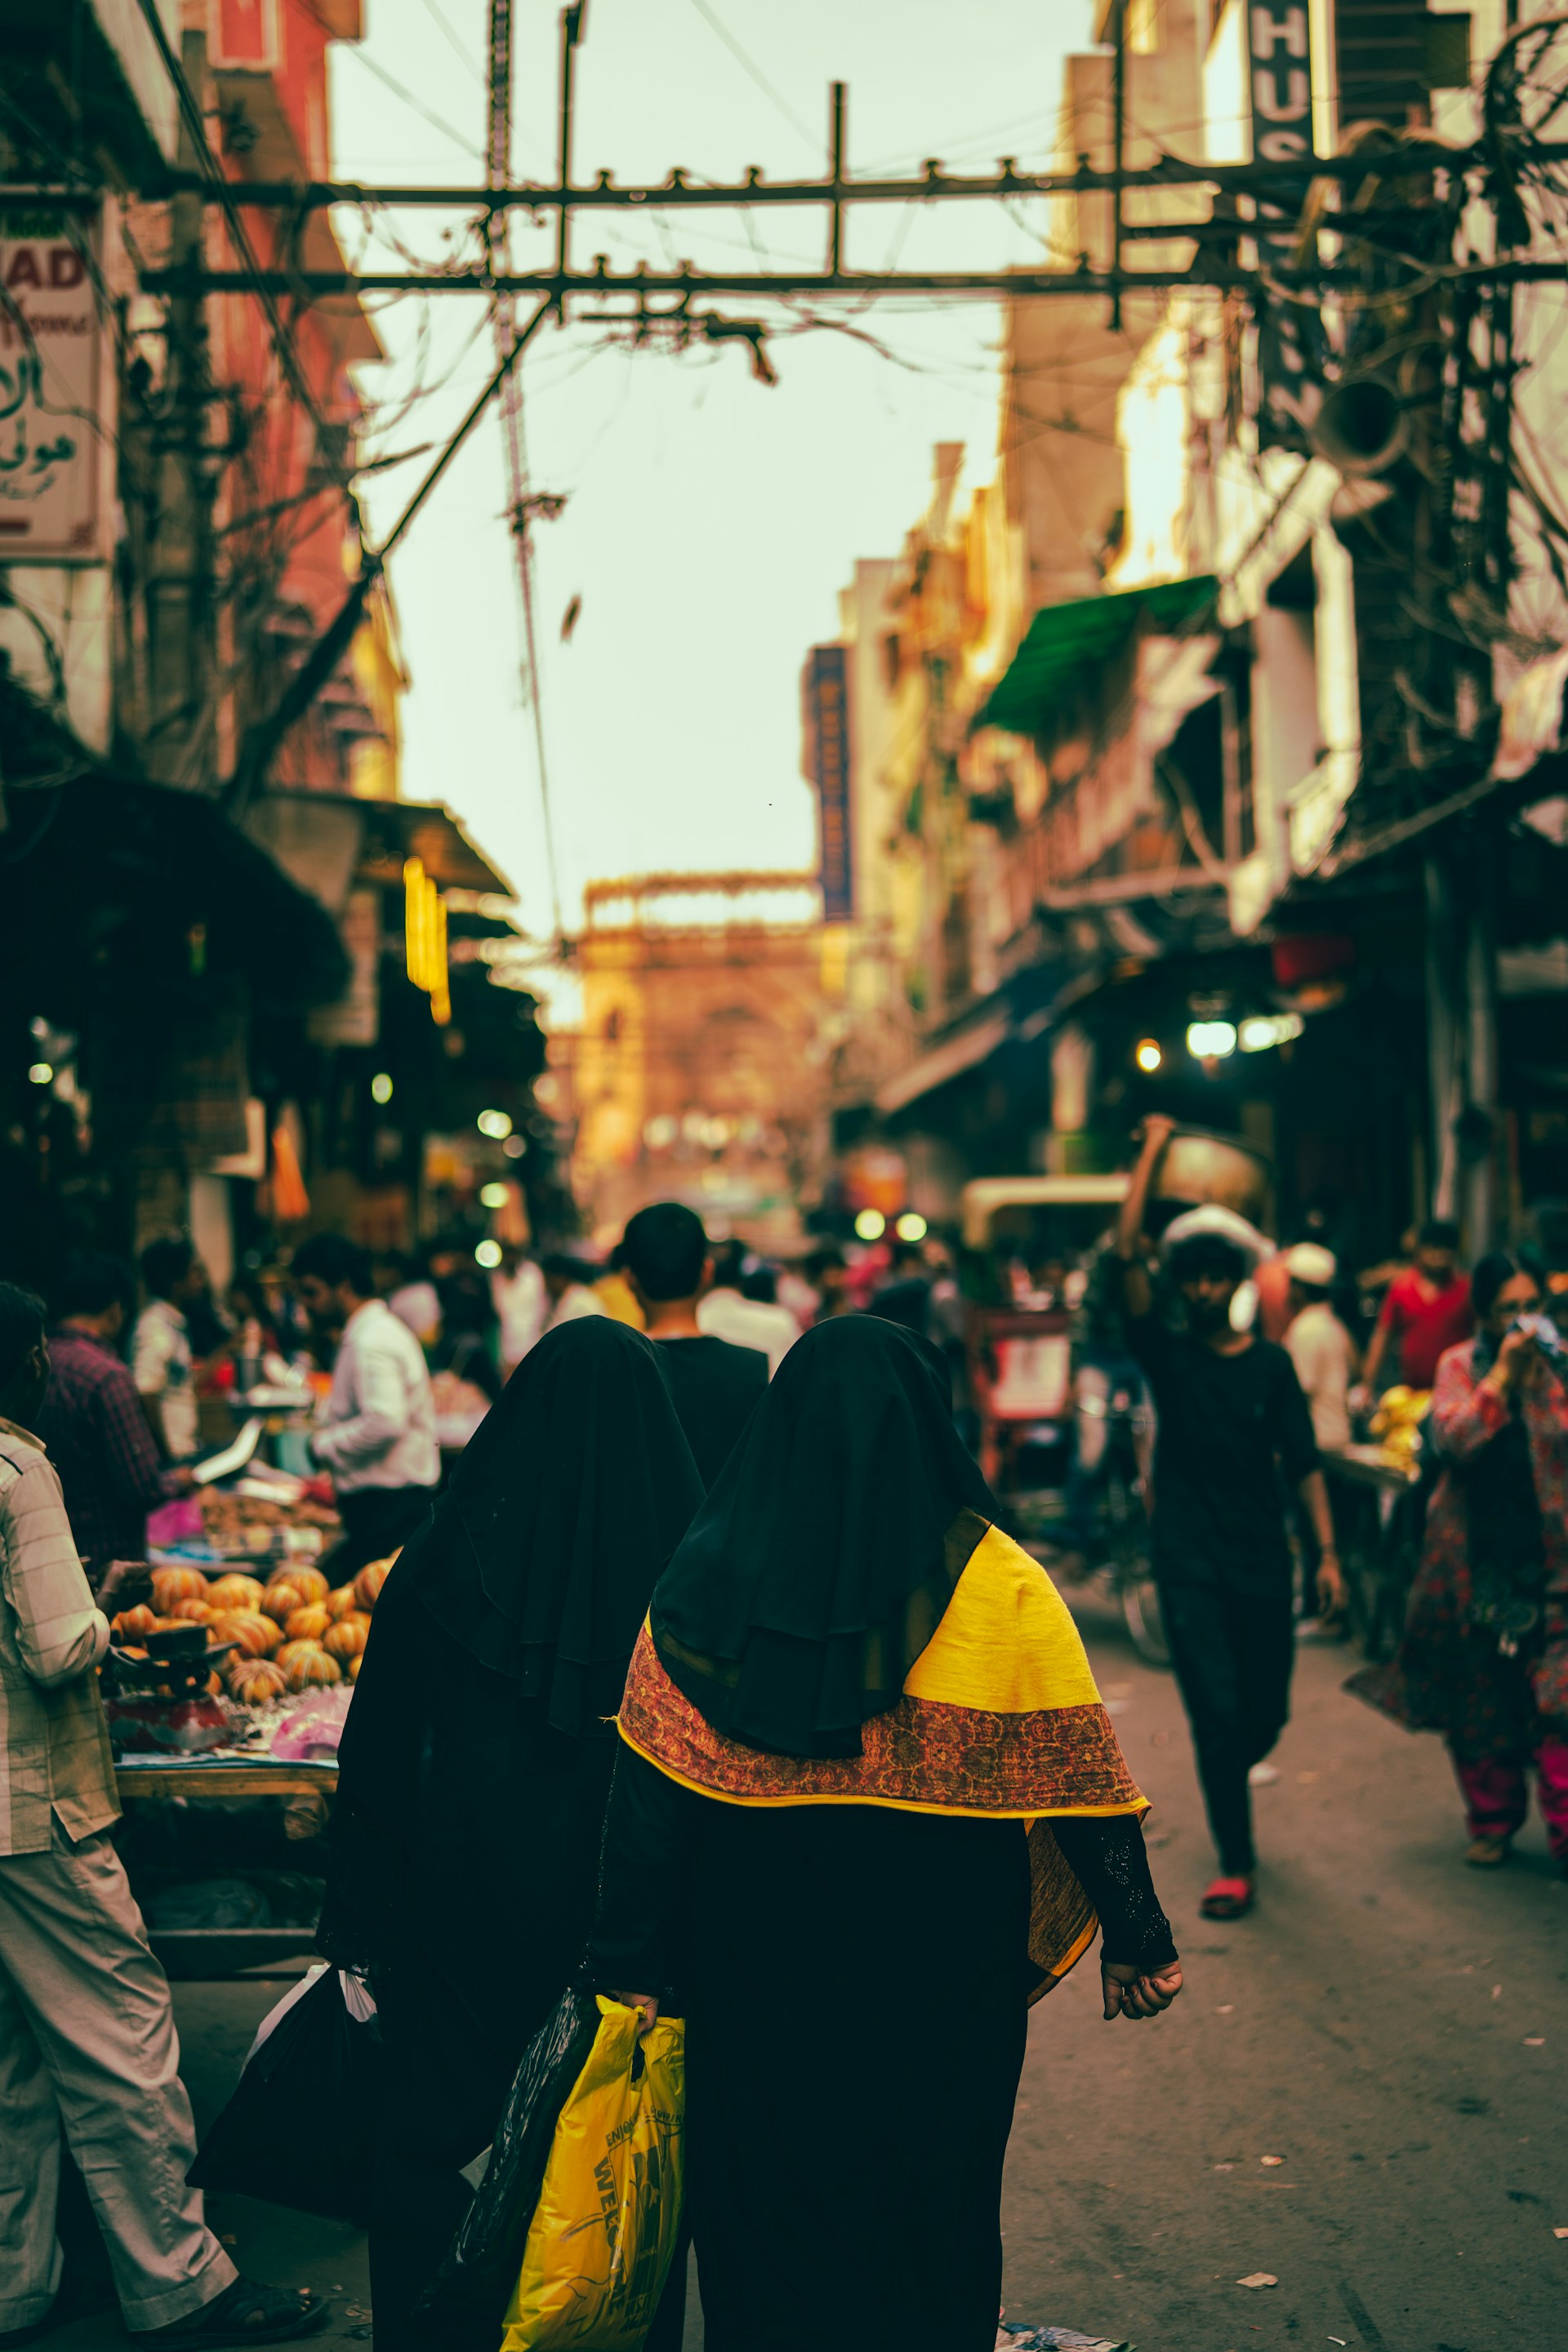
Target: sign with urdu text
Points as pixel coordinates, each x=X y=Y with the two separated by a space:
x=826 y=718
x=51 y=449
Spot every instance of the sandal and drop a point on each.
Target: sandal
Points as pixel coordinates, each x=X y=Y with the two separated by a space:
x=1227 y=1898
x=246 y=2313
x=1488 y=1852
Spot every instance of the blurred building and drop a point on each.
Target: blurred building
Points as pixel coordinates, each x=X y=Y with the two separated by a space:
x=202 y=944
x=1210 y=759
x=698 y=1071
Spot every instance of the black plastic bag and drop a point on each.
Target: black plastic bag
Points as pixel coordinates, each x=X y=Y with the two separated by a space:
x=482 y=2266
x=301 y=2126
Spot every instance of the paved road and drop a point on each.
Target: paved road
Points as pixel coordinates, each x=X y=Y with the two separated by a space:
x=1390 y=2024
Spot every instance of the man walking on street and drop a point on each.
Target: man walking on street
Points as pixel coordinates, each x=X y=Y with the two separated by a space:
x=1426 y=1312
x=715 y=1385
x=87 y=2029
x=1230 y=1408
x=93 y=1420
x=376 y=1431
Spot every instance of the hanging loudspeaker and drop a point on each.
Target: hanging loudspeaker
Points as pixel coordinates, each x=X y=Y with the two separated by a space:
x=1361 y=426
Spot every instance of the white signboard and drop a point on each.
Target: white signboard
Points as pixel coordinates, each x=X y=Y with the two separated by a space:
x=51 y=424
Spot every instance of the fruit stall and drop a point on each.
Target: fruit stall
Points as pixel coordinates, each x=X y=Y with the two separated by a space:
x=225 y=1693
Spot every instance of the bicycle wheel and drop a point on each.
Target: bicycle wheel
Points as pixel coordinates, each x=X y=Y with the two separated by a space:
x=1127 y=1531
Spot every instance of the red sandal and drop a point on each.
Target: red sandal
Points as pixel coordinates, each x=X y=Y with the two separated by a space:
x=1227 y=1898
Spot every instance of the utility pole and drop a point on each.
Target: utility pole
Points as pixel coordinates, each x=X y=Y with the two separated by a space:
x=521 y=507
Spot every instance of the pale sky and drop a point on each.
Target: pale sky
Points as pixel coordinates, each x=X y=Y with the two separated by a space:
x=712 y=521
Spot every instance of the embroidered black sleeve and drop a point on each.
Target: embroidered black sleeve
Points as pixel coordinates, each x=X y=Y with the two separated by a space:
x=1108 y=1858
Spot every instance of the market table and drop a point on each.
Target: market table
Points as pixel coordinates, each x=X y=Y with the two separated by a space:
x=211 y=1953
x=168 y=1777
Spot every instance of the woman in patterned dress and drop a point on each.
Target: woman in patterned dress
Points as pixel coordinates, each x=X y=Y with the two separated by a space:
x=867 y=1806
x=1484 y=1657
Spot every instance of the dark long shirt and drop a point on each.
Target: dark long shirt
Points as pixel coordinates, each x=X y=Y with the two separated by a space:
x=715 y=1387
x=95 y=1429
x=1228 y=1425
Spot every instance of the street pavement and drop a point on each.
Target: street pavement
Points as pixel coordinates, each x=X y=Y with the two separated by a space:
x=1389 y=2024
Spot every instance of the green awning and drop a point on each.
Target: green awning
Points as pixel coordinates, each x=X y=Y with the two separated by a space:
x=1063 y=640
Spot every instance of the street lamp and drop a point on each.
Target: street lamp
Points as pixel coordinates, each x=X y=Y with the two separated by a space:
x=1147 y=1055
x=381 y=1087
x=494 y=1196
x=910 y=1227
x=870 y=1225
x=495 y=1124
x=488 y=1255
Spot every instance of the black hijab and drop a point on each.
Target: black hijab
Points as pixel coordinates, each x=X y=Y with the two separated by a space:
x=568 y=1502
x=826 y=1553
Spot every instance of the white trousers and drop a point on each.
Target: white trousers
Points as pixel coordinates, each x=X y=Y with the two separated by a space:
x=87 y=2043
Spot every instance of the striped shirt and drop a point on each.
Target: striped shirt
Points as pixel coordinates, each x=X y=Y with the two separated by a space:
x=55 y=1759
x=92 y=1423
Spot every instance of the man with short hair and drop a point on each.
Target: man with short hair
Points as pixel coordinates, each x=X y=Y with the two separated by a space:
x=715 y=1386
x=93 y=1420
x=87 y=2031
x=1427 y=1310
x=161 y=1362
x=1230 y=1410
x=376 y=1430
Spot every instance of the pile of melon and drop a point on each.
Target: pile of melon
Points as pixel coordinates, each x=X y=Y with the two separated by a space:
x=291 y=1634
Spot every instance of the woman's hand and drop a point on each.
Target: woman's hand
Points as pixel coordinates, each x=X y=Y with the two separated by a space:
x=1517 y=1357
x=1130 y=1992
x=646 y=2006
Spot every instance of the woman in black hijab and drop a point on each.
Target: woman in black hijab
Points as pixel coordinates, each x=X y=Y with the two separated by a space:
x=867 y=1806
x=477 y=1759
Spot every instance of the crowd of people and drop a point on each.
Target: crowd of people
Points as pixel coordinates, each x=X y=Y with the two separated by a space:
x=663 y=1687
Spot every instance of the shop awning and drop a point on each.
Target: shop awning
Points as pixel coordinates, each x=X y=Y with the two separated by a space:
x=1063 y=640
x=944 y=1061
x=394 y=830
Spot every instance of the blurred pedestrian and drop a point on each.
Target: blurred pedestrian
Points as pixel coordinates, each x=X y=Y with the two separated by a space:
x=714 y=1384
x=92 y=1421
x=1427 y=1310
x=853 y=1694
x=162 y=1360
x=405 y=1283
x=904 y=1297
x=569 y=1288
x=88 y=2047
x=377 y=1429
x=726 y=1313
x=517 y=1286
x=475 y=1767
x=466 y=1348
x=1230 y=1408
x=616 y=1294
x=1484 y=1655
x=1318 y=1344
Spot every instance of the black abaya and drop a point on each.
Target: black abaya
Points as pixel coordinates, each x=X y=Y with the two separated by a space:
x=854 y=1981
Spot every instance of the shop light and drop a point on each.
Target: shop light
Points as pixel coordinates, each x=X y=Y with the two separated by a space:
x=381 y=1087
x=912 y=1226
x=495 y=1124
x=1147 y=1053
x=41 y=1074
x=870 y=1224
x=514 y=1147
x=494 y=1196
x=1211 y=1040
x=488 y=1255
x=1262 y=1030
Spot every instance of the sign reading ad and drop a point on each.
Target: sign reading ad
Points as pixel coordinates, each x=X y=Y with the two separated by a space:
x=51 y=451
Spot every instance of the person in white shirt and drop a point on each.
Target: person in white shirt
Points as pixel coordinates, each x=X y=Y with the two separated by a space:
x=726 y=1313
x=376 y=1430
x=161 y=1362
x=521 y=1304
x=1318 y=1343
x=569 y=1289
x=88 y=2047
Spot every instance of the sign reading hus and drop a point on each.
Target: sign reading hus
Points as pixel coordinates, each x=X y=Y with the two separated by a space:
x=51 y=426
x=1279 y=79
x=827 y=717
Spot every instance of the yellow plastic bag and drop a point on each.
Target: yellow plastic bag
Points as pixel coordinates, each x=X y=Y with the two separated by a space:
x=604 y=2230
